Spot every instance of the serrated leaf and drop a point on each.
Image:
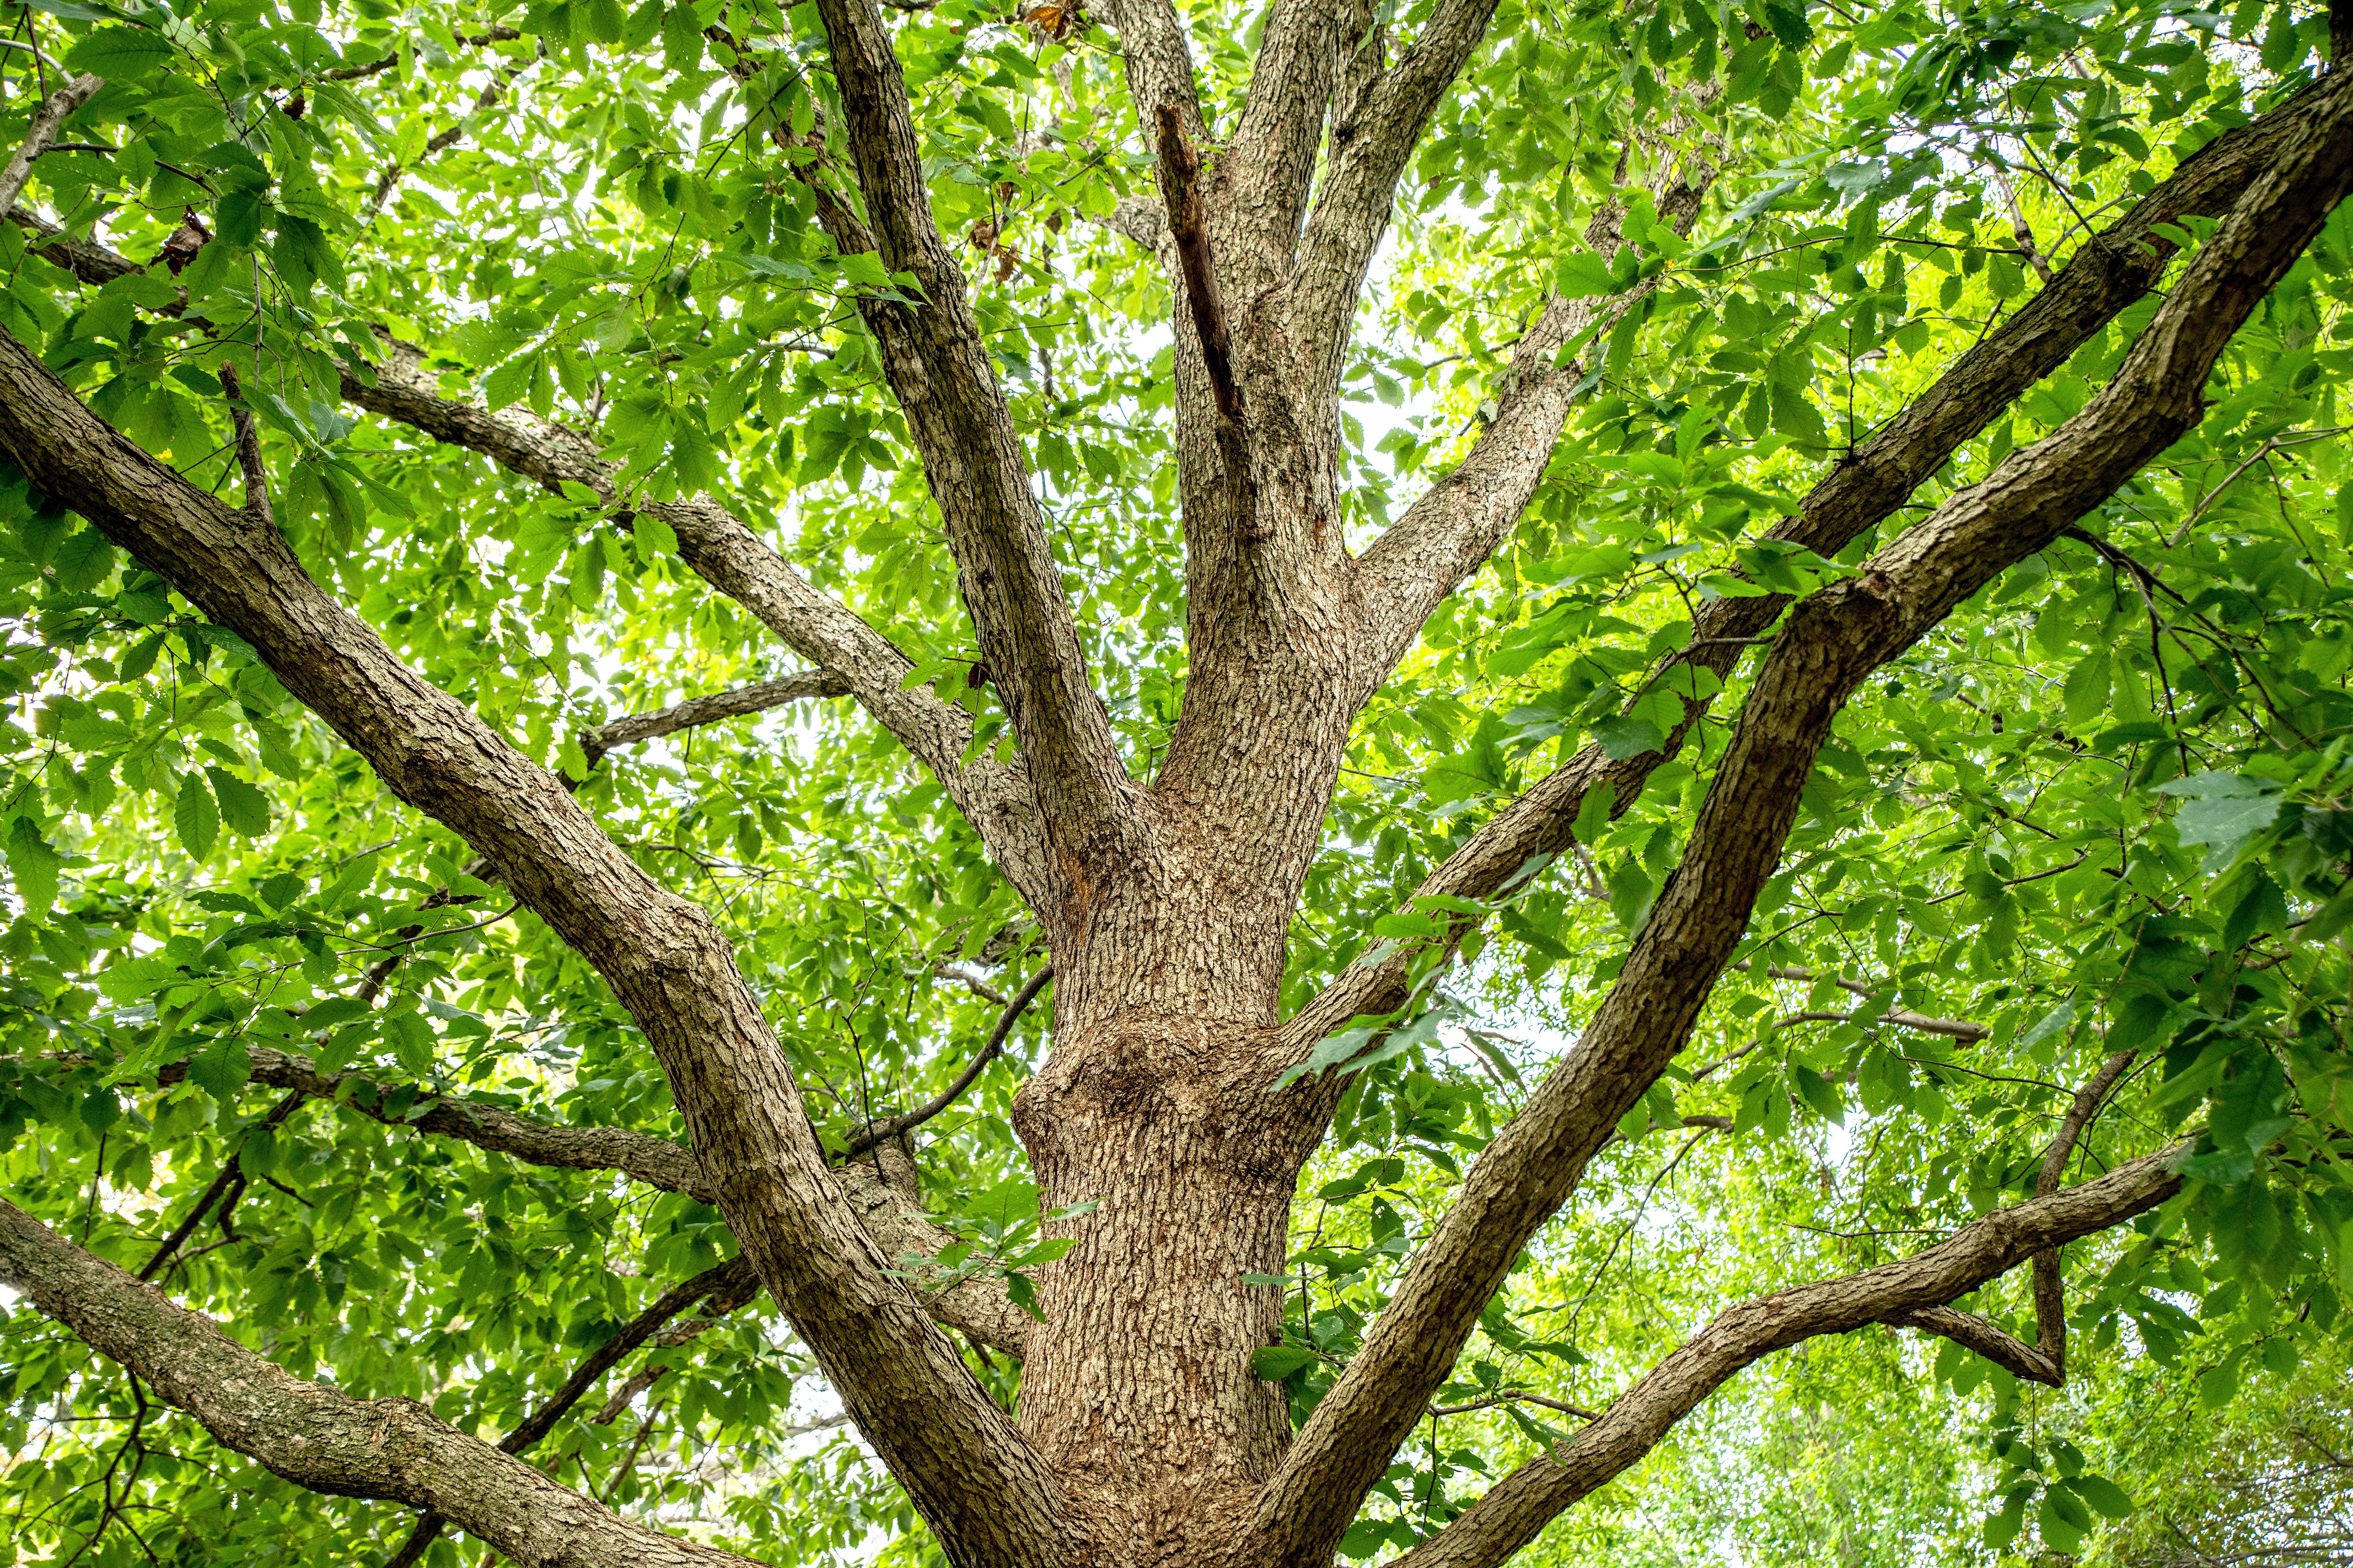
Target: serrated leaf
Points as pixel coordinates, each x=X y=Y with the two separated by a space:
x=1275 y=1363
x=34 y=864
x=244 y=808
x=82 y=562
x=195 y=818
x=120 y=54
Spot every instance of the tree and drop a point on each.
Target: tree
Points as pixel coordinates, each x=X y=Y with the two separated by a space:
x=2008 y=872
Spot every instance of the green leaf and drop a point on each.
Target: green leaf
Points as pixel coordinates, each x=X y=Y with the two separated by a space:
x=220 y=1069
x=195 y=818
x=1627 y=737
x=244 y=808
x=1788 y=24
x=120 y=54
x=1275 y=1363
x=656 y=536
x=34 y=864
x=2105 y=1495
x=82 y=562
x=1818 y=1092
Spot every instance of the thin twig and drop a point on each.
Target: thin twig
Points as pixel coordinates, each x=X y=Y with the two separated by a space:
x=891 y=1127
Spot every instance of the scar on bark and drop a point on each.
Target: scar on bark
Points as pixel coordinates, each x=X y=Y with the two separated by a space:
x=1181 y=181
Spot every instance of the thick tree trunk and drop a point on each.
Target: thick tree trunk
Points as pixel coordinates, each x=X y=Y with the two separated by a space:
x=1137 y=1391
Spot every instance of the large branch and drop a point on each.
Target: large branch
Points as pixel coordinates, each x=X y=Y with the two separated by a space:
x=1272 y=156
x=757 y=698
x=1460 y=521
x=957 y=1453
x=960 y=424
x=1367 y=158
x=1523 y=1503
x=311 y=1435
x=1833 y=640
x=2108 y=273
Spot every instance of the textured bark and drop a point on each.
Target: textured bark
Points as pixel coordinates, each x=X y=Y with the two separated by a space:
x=1833 y=639
x=944 y=1436
x=755 y=698
x=1143 y=1437
x=315 y=1436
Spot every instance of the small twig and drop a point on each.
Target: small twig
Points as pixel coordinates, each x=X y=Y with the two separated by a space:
x=211 y=1195
x=891 y=1127
x=1519 y=1395
x=249 y=448
x=2018 y=226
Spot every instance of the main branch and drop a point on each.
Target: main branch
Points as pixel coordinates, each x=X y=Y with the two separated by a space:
x=957 y=416
x=311 y=1435
x=947 y=1441
x=2108 y=273
x=1523 y=1503
x=1833 y=639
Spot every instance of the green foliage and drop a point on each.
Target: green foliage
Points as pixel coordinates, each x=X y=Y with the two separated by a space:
x=2109 y=806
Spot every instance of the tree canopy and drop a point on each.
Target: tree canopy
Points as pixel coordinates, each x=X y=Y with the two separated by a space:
x=903 y=783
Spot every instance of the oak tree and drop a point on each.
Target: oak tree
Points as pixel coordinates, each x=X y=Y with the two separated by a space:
x=1374 y=623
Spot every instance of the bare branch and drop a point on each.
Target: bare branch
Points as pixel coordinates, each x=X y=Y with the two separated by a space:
x=755 y=698
x=449 y=136
x=1509 y=1517
x=1959 y=1029
x=907 y=1121
x=169 y=1246
x=53 y=113
x=2050 y=1287
x=1515 y=1396
x=1833 y=640
x=2107 y=273
x=311 y=1435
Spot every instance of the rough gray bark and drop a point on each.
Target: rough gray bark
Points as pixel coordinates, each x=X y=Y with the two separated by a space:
x=1143 y=1437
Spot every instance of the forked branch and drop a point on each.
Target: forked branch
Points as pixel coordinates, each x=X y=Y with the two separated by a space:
x=2108 y=273
x=1523 y=1503
x=946 y=1441
x=1833 y=640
